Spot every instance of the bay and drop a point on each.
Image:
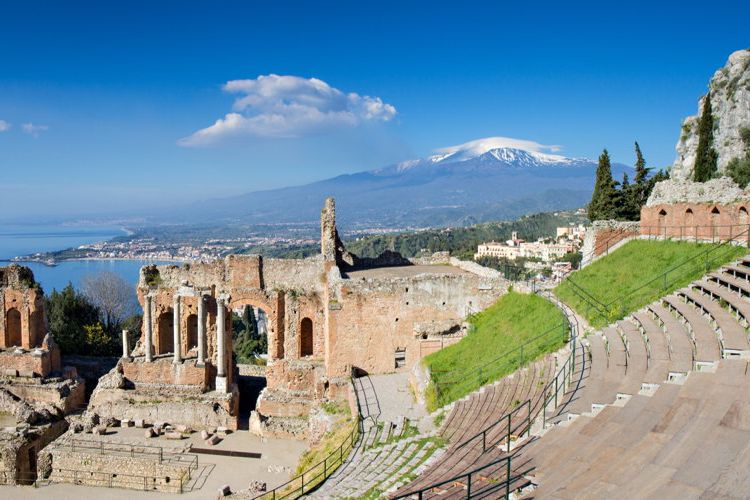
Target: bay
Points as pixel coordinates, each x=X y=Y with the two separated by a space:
x=18 y=240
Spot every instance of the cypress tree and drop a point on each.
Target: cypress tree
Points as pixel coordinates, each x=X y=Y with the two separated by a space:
x=642 y=186
x=602 y=205
x=705 y=157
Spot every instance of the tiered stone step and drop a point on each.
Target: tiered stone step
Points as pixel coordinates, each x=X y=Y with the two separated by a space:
x=472 y=415
x=684 y=441
x=688 y=438
x=379 y=469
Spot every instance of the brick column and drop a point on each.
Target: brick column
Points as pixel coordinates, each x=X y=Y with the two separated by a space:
x=177 y=342
x=149 y=328
x=201 y=329
x=221 y=375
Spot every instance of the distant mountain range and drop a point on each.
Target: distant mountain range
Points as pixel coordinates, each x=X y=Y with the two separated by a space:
x=467 y=184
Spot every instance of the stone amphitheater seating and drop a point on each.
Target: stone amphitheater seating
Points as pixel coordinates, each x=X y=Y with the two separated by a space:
x=665 y=409
x=468 y=418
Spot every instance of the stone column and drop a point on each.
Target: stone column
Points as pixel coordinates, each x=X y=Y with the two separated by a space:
x=221 y=375
x=149 y=328
x=125 y=347
x=201 y=329
x=177 y=343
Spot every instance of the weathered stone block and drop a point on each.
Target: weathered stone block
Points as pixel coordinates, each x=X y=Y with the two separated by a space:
x=213 y=440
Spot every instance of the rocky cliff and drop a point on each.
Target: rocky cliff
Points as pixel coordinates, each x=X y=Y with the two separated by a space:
x=730 y=100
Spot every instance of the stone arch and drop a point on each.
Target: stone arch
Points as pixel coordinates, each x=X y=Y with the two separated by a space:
x=36 y=328
x=274 y=328
x=742 y=216
x=165 y=332
x=13 y=327
x=689 y=217
x=192 y=332
x=306 y=338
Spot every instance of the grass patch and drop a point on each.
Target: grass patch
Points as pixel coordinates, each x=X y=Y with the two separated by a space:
x=618 y=279
x=491 y=350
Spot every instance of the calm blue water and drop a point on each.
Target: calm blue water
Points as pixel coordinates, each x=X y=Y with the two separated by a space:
x=23 y=240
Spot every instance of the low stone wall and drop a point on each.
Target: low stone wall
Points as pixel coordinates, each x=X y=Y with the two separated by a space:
x=606 y=235
x=18 y=447
x=173 y=404
x=247 y=370
x=163 y=371
x=36 y=363
x=138 y=472
x=66 y=395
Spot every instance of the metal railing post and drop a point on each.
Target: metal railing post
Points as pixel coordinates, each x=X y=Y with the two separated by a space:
x=468 y=487
x=507 y=480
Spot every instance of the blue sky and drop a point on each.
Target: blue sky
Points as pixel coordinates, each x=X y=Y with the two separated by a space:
x=104 y=103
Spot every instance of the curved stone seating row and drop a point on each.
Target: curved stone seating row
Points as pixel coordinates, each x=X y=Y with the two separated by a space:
x=652 y=402
x=468 y=449
x=684 y=441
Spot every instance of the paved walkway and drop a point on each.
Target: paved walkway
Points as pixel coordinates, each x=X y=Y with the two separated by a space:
x=213 y=471
x=396 y=400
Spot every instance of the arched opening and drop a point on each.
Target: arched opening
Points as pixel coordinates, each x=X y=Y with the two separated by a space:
x=12 y=327
x=306 y=337
x=36 y=329
x=689 y=217
x=742 y=216
x=165 y=332
x=192 y=332
x=250 y=327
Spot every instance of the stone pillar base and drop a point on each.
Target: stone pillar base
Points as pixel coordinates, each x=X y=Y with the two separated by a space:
x=221 y=384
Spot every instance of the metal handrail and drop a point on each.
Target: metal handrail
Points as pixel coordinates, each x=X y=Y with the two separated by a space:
x=467 y=475
x=286 y=490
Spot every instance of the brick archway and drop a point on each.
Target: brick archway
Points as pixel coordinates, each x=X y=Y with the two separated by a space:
x=13 y=327
x=306 y=338
x=165 y=332
x=275 y=329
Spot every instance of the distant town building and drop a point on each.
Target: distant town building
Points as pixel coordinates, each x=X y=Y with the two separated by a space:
x=567 y=241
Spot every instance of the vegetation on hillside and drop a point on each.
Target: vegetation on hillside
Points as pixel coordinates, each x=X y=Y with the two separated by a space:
x=621 y=200
x=462 y=242
x=493 y=347
x=739 y=168
x=705 y=156
x=634 y=275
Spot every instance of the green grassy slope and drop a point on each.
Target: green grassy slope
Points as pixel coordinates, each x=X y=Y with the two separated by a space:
x=491 y=349
x=632 y=276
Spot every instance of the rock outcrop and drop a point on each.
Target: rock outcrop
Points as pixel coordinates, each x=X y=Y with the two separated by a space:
x=730 y=102
x=722 y=191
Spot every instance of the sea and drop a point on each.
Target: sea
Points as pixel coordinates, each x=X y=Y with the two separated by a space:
x=17 y=240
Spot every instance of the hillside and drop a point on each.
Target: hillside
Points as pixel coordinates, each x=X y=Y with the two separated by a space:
x=462 y=242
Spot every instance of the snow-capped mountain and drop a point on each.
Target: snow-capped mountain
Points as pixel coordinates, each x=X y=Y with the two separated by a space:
x=487 y=179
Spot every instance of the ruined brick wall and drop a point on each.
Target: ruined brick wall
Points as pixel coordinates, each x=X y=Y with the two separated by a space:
x=703 y=221
x=26 y=364
x=163 y=371
x=23 y=322
x=370 y=321
x=604 y=236
x=139 y=472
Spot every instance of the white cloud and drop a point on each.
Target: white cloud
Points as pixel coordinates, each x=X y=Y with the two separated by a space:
x=32 y=129
x=480 y=146
x=273 y=106
x=4 y=125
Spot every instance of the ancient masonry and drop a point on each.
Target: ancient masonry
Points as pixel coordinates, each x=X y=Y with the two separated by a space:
x=35 y=391
x=327 y=315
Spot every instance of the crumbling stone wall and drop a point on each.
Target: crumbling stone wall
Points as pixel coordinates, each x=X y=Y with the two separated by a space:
x=605 y=236
x=23 y=322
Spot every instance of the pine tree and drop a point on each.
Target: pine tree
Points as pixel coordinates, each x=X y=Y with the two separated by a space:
x=602 y=204
x=705 y=157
